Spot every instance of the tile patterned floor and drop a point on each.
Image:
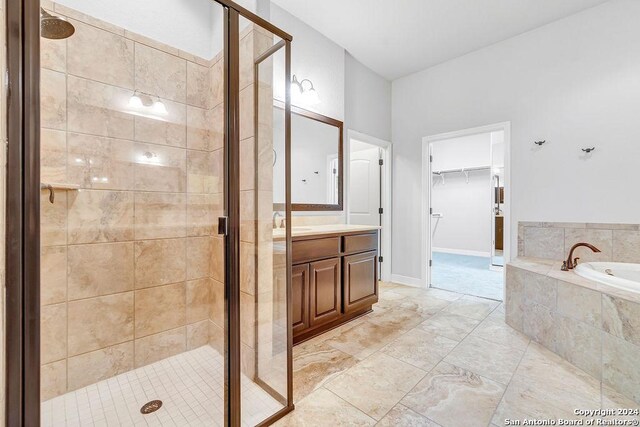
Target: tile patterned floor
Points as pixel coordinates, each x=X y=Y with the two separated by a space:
x=435 y=358
x=189 y=384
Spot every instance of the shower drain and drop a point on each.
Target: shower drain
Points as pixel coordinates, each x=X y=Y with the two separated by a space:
x=151 y=407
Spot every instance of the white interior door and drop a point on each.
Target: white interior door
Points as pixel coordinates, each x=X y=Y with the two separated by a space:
x=364 y=187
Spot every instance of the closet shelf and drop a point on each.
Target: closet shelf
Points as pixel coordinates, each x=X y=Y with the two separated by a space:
x=460 y=170
x=465 y=171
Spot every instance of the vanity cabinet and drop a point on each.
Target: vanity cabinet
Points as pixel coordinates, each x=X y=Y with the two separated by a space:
x=360 y=281
x=324 y=291
x=499 y=236
x=334 y=280
x=300 y=297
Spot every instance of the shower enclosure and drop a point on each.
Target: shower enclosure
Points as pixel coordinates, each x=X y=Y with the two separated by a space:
x=145 y=284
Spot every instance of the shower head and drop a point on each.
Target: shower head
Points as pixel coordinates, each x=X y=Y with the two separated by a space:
x=54 y=27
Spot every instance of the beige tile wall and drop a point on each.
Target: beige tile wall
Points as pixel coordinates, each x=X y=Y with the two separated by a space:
x=132 y=271
x=596 y=332
x=593 y=330
x=552 y=240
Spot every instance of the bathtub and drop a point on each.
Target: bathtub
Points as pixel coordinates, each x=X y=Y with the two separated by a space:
x=618 y=274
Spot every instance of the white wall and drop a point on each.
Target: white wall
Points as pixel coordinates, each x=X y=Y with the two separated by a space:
x=464 y=152
x=348 y=90
x=466 y=206
x=573 y=82
x=313 y=57
x=367 y=100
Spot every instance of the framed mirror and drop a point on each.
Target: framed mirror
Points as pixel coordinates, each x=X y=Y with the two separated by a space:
x=316 y=161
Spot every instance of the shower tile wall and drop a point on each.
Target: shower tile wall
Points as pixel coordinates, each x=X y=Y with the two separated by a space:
x=132 y=271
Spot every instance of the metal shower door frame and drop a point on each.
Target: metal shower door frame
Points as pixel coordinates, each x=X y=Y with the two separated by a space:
x=22 y=336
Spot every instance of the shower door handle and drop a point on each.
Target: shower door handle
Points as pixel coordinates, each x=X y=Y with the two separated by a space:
x=223 y=225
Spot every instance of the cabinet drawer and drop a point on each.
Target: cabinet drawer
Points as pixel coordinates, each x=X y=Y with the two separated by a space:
x=361 y=243
x=309 y=250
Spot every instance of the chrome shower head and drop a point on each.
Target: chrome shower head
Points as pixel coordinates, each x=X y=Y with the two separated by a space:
x=54 y=27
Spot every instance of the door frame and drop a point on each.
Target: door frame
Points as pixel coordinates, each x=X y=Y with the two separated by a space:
x=387 y=150
x=426 y=221
x=22 y=287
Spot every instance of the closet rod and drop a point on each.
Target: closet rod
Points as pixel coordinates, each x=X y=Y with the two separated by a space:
x=477 y=168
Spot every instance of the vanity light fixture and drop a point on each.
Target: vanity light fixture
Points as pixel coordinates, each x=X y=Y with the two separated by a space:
x=306 y=93
x=135 y=101
x=159 y=108
x=144 y=103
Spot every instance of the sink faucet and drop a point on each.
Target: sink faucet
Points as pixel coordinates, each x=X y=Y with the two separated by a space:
x=571 y=262
x=275 y=215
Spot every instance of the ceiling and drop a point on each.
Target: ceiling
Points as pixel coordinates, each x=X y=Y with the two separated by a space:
x=399 y=37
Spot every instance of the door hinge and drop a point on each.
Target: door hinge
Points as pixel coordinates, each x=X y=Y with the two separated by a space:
x=380 y=162
x=223 y=225
x=380 y=211
x=430 y=211
x=430 y=262
x=430 y=158
x=380 y=258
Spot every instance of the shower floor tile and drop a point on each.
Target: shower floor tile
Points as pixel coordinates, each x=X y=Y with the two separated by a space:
x=190 y=386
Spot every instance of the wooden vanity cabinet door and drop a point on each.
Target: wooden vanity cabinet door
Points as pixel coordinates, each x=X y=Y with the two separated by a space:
x=360 y=281
x=325 y=296
x=499 y=237
x=300 y=297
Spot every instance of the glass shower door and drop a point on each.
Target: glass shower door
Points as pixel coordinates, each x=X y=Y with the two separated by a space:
x=264 y=262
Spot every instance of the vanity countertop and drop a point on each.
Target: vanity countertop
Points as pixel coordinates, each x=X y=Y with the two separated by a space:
x=323 y=230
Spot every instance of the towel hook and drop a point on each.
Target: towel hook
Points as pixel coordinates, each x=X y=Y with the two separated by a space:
x=539 y=143
x=588 y=150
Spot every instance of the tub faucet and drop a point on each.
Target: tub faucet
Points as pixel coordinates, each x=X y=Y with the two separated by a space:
x=571 y=262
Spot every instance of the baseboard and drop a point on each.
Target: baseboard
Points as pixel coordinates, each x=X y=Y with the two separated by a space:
x=462 y=252
x=406 y=280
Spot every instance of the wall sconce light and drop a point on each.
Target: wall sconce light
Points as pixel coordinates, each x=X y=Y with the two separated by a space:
x=305 y=92
x=143 y=103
